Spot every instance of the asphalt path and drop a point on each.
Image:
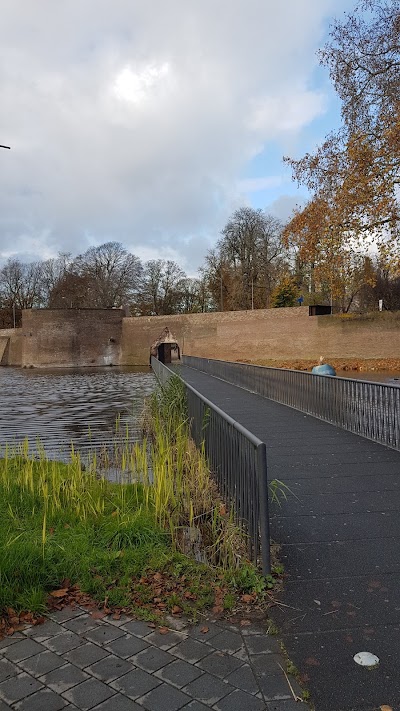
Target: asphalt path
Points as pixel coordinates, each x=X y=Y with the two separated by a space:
x=339 y=537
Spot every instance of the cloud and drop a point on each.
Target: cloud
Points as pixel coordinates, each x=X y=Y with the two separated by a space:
x=133 y=120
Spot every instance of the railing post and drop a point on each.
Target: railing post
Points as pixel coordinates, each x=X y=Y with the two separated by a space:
x=264 y=512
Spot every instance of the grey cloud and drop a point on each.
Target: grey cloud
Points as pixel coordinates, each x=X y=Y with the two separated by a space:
x=132 y=120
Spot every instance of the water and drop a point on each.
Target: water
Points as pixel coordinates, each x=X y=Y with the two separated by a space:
x=78 y=406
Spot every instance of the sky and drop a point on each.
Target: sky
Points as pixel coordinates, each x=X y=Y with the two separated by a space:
x=148 y=122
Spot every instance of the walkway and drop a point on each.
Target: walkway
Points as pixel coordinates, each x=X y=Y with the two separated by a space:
x=340 y=546
x=74 y=661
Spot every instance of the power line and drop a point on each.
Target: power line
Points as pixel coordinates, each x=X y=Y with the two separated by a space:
x=9 y=147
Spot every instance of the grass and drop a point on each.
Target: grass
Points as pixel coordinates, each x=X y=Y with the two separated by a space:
x=124 y=544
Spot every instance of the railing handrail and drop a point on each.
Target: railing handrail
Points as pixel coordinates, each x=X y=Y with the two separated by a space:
x=366 y=408
x=250 y=436
x=294 y=370
x=251 y=508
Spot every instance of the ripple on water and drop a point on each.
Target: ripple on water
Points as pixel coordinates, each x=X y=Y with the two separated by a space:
x=78 y=406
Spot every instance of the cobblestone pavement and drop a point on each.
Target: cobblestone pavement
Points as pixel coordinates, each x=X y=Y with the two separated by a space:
x=73 y=661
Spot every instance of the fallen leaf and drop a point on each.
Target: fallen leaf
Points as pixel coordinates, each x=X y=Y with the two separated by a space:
x=204 y=630
x=98 y=614
x=247 y=598
x=176 y=610
x=116 y=616
x=10 y=631
x=157 y=576
x=385 y=708
x=163 y=630
x=245 y=623
x=217 y=609
x=59 y=593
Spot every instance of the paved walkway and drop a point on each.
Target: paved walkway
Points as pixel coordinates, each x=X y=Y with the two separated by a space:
x=74 y=661
x=340 y=546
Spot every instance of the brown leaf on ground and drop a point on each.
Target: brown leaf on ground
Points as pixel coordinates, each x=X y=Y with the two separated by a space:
x=10 y=631
x=176 y=610
x=217 y=609
x=204 y=629
x=59 y=593
x=163 y=630
x=116 y=616
x=98 y=614
x=384 y=707
x=245 y=623
x=247 y=598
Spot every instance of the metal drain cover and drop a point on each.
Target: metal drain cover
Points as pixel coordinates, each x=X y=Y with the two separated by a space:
x=366 y=659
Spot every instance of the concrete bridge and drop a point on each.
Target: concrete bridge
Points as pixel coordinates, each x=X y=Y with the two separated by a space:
x=338 y=532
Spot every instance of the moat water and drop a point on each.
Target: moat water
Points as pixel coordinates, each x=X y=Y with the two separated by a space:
x=72 y=406
x=79 y=407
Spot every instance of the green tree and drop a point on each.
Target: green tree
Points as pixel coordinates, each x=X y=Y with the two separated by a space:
x=285 y=293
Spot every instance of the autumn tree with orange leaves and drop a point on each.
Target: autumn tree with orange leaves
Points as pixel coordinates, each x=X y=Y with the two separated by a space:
x=354 y=175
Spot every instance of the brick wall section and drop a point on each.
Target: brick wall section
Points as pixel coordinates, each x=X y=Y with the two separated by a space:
x=12 y=354
x=81 y=337
x=264 y=334
x=229 y=335
x=71 y=337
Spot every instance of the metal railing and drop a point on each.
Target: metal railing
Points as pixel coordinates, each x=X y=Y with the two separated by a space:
x=238 y=463
x=371 y=410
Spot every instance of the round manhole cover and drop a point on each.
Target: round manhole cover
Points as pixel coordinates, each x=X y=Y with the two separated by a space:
x=366 y=659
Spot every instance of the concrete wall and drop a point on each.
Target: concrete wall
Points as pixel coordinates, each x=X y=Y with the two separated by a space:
x=71 y=337
x=96 y=337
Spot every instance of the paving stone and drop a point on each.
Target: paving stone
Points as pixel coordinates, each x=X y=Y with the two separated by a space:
x=89 y=694
x=44 y=631
x=42 y=663
x=165 y=641
x=178 y=624
x=136 y=683
x=64 y=678
x=126 y=646
x=190 y=650
x=179 y=673
x=67 y=613
x=81 y=624
x=104 y=634
x=86 y=654
x=151 y=659
x=18 y=687
x=244 y=679
x=63 y=642
x=118 y=703
x=196 y=632
x=123 y=620
x=251 y=630
x=43 y=700
x=263 y=644
x=109 y=668
x=164 y=697
x=4 y=707
x=274 y=687
x=219 y=664
x=238 y=701
x=138 y=628
x=196 y=706
x=285 y=705
x=267 y=664
x=22 y=650
x=227 y=641
x=7 y=669
x=208 y=689
x=8 y=641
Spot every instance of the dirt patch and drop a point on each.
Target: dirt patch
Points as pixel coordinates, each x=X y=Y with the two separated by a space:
x=355 y=364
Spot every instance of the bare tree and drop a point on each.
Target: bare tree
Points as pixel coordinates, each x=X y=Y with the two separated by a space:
x=21 y=284
x=113 y=272
x=160 y=288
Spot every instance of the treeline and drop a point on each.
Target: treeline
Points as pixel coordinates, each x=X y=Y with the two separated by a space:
x=251 y=267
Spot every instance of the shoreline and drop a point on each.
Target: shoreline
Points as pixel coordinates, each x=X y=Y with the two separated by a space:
x=360 y=365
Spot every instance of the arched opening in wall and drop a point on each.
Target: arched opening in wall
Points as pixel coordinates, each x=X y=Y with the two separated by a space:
x=166 y=348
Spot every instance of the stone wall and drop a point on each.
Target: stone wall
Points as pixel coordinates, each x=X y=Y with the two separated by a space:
x=96 y=337
x=71 y=337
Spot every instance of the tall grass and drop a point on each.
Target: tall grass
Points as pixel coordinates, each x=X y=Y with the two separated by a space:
x=69 y=521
